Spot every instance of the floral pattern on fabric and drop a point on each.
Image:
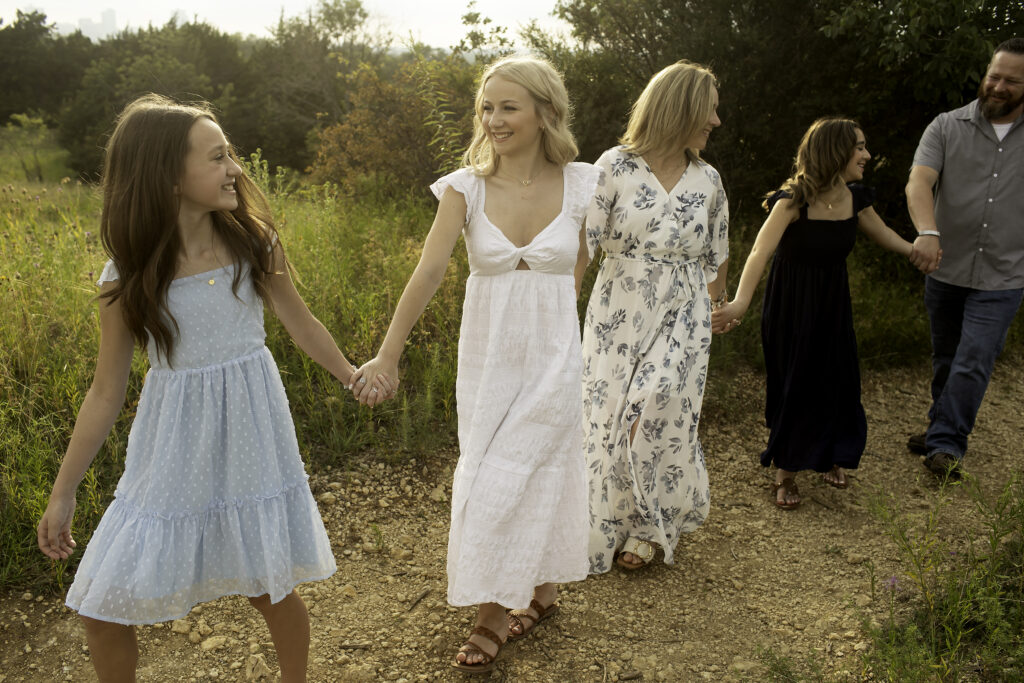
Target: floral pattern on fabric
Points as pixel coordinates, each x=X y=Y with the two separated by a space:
x=646 y=339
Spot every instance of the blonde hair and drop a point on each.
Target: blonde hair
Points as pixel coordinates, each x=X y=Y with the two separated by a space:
x=825 y=150
x=545 y=86
x=676 y=105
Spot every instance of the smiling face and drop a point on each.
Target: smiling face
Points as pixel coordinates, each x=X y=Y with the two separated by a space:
x=208 y=183
x=854 y=169
x=700 y=140
x=1001 y=93
x=509 y=115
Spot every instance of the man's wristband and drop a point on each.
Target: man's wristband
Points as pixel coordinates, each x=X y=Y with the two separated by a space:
x=930 y=233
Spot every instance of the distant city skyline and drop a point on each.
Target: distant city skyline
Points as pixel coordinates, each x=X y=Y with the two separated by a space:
x=438 y=23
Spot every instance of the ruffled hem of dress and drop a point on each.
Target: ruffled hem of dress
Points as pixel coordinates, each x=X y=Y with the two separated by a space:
x=199 y=601
x=514 y=599
x=214 y=506
x=145 y=568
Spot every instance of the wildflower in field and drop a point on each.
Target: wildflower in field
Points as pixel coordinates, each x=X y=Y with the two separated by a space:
x=891 y=583
x=65 y=180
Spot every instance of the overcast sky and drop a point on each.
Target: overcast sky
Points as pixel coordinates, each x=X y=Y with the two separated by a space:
x=434 y=22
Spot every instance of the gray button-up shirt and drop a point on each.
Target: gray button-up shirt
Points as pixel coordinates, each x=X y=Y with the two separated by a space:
x=979 y=198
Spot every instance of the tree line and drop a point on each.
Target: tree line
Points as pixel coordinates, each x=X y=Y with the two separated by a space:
x=328 y=95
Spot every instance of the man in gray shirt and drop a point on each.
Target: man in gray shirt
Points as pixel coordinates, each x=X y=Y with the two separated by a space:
x=966 y=199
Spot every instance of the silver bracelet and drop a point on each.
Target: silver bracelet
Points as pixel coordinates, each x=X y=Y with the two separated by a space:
x=930 y=233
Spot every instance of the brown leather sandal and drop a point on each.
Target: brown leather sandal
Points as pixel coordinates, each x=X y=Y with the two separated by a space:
x=789 y=489
x=836 y=481
x=471 y=648
x=516 y=618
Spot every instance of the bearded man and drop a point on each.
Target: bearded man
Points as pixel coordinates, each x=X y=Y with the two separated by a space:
x=966 y=199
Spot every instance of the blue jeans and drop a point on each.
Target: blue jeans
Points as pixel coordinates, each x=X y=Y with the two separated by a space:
x=969 y=328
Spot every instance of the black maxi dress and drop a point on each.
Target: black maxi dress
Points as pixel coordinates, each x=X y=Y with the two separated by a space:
x=813 y=406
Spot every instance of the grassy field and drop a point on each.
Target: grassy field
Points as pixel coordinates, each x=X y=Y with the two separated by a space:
x=353 y=257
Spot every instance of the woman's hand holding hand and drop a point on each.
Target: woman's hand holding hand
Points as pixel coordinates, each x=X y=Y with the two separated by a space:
x=727 y=316
x=375 y=381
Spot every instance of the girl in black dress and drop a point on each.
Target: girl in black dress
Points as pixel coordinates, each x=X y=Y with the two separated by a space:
x=813 y=404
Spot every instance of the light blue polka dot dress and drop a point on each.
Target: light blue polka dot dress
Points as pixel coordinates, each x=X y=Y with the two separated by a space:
x=214 y=498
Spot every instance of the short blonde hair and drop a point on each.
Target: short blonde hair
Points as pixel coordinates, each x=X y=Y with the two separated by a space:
x=545 y=86
x=674 y=107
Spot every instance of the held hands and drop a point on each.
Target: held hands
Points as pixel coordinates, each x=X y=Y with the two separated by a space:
x=54 y=530
x=926 y=255
x=372 y=383
x=727 y=316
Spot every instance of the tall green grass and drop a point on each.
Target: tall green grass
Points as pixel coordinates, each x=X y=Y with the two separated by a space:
x=956 y=608
x=966 y=588
x=353 y=259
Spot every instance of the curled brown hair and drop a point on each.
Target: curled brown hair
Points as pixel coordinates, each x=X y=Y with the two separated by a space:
x=824 y=151
x=145 y=160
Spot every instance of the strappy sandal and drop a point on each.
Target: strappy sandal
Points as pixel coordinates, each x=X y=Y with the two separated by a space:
x=789 y=489
x=836 y=481
x=471 y=648
x=638 y=548
x=524 y=629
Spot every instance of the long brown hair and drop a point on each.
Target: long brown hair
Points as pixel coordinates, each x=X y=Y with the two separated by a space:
x=145 y=160
x=824 y=151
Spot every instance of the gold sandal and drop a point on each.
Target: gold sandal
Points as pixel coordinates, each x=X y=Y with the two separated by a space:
x=638 y=548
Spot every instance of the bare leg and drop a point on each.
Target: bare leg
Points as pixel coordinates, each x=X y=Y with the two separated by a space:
x=490 y=615
x=113 y=648
x=628 y=558
x=545 y=594
x=288 y=622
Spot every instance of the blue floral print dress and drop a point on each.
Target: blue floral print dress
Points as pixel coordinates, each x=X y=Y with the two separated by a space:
x=645 y=351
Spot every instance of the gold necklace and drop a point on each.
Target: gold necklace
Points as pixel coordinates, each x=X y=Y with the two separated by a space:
x=528 y=181
x=828 y=202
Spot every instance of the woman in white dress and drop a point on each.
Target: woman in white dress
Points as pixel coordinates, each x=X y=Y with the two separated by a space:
x=661 y=218
x=519 y=510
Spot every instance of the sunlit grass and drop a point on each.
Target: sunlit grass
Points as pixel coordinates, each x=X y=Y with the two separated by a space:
x=353 y=259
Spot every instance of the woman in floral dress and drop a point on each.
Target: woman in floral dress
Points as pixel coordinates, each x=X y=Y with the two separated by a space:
x=661 y=218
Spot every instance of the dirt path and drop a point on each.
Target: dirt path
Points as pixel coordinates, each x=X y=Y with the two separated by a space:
x=798 y=582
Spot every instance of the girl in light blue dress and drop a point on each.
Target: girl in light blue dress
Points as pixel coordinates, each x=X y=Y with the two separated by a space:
x=214 y=498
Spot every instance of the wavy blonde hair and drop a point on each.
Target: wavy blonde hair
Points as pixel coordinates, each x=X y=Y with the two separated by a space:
x=544 y=84
x=145 y=160
x=675 y=106
x=825 y=150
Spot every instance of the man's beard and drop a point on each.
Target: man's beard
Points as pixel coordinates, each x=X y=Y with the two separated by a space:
x=993 y=108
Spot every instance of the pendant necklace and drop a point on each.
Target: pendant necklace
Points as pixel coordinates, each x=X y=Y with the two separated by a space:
x=528 y=181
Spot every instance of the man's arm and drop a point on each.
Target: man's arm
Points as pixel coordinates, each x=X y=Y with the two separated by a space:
x=921 y=202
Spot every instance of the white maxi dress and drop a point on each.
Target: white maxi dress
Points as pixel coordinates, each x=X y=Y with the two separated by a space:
x=519 y=501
